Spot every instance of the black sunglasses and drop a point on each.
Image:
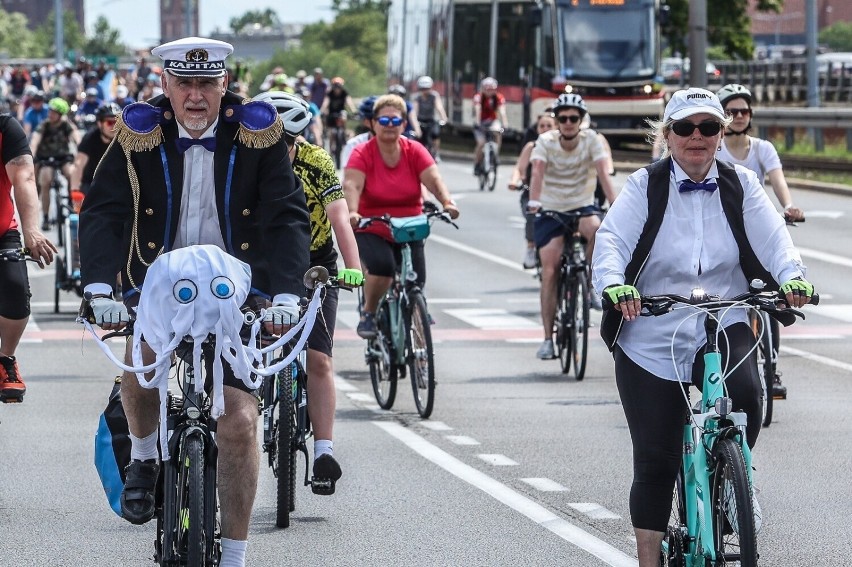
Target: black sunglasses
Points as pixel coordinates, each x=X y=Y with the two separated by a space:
x=388 y=121
x=562 y=119
x=738 y=112
x=685 y=129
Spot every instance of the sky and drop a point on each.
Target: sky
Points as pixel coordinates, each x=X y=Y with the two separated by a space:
x=139 y=23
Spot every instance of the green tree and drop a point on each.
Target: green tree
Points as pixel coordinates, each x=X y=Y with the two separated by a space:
x=16 y=40
x=73 y=35
x=105 y=41
x=728 y=27
x=837 y=36
x=340 y=6
x=265 y=18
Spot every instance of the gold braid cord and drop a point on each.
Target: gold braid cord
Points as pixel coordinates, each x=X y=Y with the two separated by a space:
x=133 y=141
x=134 y=233
x=263 y=138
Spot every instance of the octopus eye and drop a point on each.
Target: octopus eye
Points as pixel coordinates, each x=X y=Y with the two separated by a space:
x=222 y=287
x=185 y=291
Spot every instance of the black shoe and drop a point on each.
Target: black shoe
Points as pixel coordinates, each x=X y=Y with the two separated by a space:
x=137 y=498
x=779 y=390
x=367 y=326
x=326 y=474
x=45 y=224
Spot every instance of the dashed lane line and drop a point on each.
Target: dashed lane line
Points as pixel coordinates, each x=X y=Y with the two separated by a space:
x=462 y=440
x=510 y=497
x=497 y=460
x=594 y=511
x=544 y=484
x=817 y=358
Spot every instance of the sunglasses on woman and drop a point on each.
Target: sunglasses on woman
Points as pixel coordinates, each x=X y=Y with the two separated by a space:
x=685 y=129
x=388 y=121
x=739 y=112
x=562 y=119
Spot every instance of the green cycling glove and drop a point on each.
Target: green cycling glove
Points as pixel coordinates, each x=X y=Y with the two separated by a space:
x=618 y=293
x=797 y=287
x=350 y=277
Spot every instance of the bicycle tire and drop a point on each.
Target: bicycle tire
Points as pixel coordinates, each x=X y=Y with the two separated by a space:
x=57 y=198
x=339 y=142
x=59 y=282
x=674 y=547
x=383 y=370
x=765 y=367
x=735 y=540
x=491 y=173
x=580 y=324
x=285 y=469
x=192 y=504
x=420 y=354
x=562 y=341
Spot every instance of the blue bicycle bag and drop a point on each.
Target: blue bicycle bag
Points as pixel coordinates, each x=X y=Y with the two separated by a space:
x=410 y=229
x=112 y=448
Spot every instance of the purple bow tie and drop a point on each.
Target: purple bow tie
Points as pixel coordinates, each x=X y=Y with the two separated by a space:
x=690 y=185
x=184 y=144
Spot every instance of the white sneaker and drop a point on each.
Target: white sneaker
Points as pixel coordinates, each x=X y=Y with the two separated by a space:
x=545 y=351
x=529 y=258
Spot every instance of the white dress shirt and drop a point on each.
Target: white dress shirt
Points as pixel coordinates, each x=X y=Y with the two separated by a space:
x=694 y=248
x=199 y=216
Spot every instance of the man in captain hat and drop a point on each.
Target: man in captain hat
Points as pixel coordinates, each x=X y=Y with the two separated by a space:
x=195 y=166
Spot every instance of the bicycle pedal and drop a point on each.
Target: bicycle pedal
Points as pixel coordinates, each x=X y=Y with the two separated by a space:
x=779 y=396
x=322 y=486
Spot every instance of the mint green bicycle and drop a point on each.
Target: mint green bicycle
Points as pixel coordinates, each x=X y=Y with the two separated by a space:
x=712 y=522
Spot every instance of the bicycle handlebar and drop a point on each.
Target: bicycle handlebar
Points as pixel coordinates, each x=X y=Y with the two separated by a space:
x=433 y=212
x=17 y=255
x=769 y=301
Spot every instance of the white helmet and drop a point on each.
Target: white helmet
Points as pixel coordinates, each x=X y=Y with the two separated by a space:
x=424 y=82
x=489 y=83
x=570 y=100
x=293 y=110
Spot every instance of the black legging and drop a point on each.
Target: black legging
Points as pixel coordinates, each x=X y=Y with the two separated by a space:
x=381 y=257
x=656 y=413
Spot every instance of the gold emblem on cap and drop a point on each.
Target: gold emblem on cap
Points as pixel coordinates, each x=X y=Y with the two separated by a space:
x=196 y=55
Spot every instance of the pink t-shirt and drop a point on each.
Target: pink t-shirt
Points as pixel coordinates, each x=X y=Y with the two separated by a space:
x=390 y=190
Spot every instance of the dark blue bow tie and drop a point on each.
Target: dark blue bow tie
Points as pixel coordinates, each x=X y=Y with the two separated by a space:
x=184 y=144
x=690 y=185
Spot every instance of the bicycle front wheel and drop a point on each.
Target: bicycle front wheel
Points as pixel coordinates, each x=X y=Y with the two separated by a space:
x=580 y=323
x=562 y=342
x=420 y=356
x=491 y=172
x=380 y=357
x=285 y=458
x=735 y=540
x=191 y=512
x=765 y=368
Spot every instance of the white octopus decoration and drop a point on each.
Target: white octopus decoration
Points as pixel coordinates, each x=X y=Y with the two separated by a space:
x=195 y=292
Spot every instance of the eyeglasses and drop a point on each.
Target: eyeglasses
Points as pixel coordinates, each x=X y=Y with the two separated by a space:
x=388 y=121
x=562 y=118
x=738 y=112
x=685 y=129
x=110 y=121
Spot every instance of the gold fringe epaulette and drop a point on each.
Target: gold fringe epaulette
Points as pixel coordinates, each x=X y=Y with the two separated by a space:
x=260 y=139
x=134 y=141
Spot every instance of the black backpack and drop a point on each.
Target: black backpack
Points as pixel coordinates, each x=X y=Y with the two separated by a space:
x=731 y=194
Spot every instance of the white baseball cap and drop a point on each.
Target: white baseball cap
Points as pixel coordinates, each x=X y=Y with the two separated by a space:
x=194 y=57
x=692 y=101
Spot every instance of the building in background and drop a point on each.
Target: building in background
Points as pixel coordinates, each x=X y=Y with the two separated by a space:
x=36 y=11
x=788 y=27
x=173 y=19
x=259 y=43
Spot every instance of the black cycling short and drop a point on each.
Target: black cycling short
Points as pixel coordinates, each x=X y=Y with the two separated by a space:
x=321 y=338
x=229 y=378
x=547 y=228
x=14 y=283
x=381 y=257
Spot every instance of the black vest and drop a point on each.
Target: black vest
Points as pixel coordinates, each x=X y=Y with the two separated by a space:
x=731 y=194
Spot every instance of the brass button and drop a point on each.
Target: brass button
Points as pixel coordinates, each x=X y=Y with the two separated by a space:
x=151 y=245
x=149 y=212
x=167 y=115
x=244 y=246
x=246 y=212
x=229 y=112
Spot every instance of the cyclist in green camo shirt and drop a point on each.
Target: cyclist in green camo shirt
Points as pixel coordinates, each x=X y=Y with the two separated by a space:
x=315 y=168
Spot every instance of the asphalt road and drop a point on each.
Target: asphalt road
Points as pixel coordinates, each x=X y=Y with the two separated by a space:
x=518 y=465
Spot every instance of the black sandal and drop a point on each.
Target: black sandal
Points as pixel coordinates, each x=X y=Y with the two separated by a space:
x=137 y=499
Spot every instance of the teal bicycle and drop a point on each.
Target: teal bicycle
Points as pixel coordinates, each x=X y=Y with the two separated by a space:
x=712 y=522
x=404 y=335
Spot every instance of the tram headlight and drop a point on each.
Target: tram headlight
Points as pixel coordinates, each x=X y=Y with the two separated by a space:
x=647 y=89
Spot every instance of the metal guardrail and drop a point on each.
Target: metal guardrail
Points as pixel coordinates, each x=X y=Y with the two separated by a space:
x=815 y=120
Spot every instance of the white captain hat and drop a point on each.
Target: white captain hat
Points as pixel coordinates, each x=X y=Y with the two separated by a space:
x=194 y=57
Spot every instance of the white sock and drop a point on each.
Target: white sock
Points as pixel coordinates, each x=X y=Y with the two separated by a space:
x=233 y=553
x=144 y=448
x=323 y=447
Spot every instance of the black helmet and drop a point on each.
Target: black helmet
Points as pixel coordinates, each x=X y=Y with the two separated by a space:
x=108 y=110
x=365 y=109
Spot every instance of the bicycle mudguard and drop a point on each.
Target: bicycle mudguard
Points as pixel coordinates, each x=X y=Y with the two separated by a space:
x=112 y=448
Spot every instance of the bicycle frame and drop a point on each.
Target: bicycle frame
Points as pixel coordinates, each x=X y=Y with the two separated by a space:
x=396 y=299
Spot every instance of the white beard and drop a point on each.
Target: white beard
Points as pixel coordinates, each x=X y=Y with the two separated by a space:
x=198 y=124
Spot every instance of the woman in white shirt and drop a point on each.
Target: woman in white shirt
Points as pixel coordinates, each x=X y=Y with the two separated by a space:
x=752 y=153
x=695 y=247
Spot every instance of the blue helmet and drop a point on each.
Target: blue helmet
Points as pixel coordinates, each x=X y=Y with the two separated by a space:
x=365 y=109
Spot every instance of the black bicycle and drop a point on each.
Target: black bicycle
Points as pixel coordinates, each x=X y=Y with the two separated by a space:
x=286 y=423
x=487 y=172
x=60 y=195
x=571 y=324
x=337 y=136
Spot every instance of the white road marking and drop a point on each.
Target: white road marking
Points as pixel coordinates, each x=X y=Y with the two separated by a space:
x=462 y=440
x=817 y=358
x=595 y=511
x=343 y=385
x=436 y=425
x=63 y=305
x=492 y=319
x=545 y=484
x=825 y=257
x=839 y=311
x=32 y=327
x=515 y=265
x=532 y=510
x=524 y=341
x=497 y=460
x=812 y=337
x=451 y=300
x=359 y=396
x=824 y=214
